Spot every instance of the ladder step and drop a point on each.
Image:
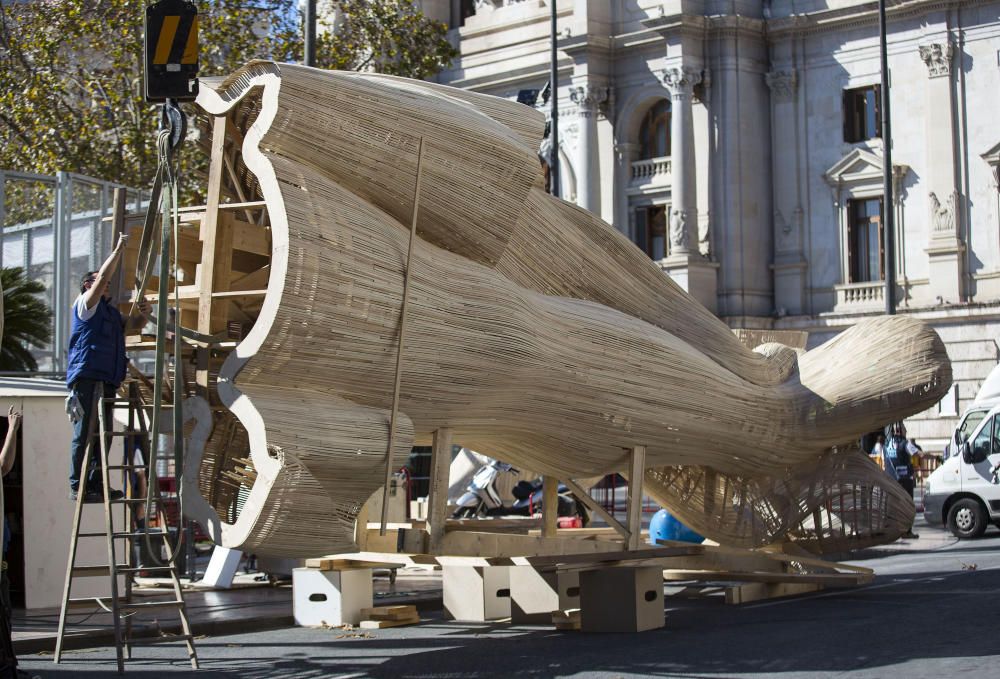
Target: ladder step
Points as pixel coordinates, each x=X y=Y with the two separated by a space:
x=94 y=571
x=149 y=641
x=118 y=399
x=140 y=569
x=89 y=602
x=152 y=533
x=121 y=536
x=127 y=466
x=175 y=603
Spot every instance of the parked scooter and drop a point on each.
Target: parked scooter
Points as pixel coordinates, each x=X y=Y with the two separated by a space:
x=481 y=498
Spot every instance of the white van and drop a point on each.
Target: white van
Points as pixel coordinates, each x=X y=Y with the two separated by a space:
x=963 y=493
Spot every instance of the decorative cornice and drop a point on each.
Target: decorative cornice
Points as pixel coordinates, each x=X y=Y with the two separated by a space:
x=937 y=58
x=853 y=16
x=782 y=83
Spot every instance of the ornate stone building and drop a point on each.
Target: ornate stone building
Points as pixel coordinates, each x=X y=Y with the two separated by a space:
x=738 y=143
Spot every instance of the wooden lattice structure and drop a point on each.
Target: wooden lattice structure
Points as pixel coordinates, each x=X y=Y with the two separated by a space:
x=535 y=332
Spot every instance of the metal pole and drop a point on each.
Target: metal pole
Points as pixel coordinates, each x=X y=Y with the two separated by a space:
x=3 y=210
x=887 y=201
x=310 y=33
x=554 y=100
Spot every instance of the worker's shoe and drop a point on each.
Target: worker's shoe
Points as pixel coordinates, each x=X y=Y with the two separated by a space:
x=910 y=535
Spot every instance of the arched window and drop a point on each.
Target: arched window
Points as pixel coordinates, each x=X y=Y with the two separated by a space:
x=654 y=133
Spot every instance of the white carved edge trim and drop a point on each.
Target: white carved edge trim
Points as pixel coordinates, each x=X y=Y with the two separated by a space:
x=267 y=468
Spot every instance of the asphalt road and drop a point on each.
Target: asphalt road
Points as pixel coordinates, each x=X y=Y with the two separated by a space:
x=929 y=613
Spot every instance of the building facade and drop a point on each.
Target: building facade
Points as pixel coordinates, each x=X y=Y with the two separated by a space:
x=738 y=143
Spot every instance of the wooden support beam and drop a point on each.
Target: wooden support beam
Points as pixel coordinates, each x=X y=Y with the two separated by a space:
x=361 y=528
x=209 y=231
x=636 y=470
x=402 y=336
x=252 y=281
x=596 y=508
x=550 y=506
x=437 y=501
x=236 y=182
x=250 y=237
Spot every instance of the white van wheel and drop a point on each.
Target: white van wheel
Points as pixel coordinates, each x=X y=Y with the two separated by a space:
x=966 y=519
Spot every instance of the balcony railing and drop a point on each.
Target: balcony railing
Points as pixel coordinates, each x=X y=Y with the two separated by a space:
x=652 y=170
x=859 y=296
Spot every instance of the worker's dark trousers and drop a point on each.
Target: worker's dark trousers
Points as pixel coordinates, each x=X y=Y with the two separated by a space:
x=8 y=661
x=84 y=390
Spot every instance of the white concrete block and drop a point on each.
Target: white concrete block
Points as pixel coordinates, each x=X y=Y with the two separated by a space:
x=330 y=597
x=534 y=596
x=475 y=594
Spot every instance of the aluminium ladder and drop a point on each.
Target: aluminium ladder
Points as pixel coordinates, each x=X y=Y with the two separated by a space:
x=121 y=608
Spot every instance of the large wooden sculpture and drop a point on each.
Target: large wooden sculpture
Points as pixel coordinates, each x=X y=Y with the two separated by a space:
x=535 y=331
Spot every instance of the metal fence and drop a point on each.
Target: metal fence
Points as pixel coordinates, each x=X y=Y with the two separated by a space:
x=55 y=228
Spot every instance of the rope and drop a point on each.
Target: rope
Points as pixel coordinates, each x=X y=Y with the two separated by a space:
x=166 y=178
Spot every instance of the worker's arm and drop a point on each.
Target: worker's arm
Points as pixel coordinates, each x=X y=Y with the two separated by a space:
x=93 y=294
x=9 y=452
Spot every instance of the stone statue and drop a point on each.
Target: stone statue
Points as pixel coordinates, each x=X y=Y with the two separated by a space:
x=678 y=229
x=943 y=216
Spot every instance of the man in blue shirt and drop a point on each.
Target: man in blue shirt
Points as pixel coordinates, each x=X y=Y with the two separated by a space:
x=97 y=364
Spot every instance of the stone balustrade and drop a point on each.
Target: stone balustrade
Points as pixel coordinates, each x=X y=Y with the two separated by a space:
x=652 y=170
x=858 y=296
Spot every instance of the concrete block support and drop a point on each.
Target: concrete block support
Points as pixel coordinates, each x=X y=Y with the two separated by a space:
x=621 y=600
x=534 y=596
x=330 y=597
x=476 y=594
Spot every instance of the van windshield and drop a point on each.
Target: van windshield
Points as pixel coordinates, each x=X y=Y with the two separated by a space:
x=968 y=425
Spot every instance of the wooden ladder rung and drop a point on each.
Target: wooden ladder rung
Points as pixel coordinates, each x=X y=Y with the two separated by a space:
x=93 y=571
x=150 y=641
x=91 y=602
x=177 y=603
x=139 y=534
x=141 y=569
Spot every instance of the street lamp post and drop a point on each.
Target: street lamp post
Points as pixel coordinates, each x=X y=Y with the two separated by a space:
x=554 y=101
x=310 y=28
x=888 y=235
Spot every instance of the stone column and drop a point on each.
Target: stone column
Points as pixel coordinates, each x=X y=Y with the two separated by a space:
x=945 y=248
x=788 y=218
x=588 y=100
x=625 y=153
x=684 y=197
x=684 y=262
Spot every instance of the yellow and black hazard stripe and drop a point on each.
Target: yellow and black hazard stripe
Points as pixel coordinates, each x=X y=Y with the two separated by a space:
x=177 y=41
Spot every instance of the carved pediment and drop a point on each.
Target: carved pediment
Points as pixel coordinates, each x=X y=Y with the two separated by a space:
x=993 y=155
x=992 y=158
x=858 y=166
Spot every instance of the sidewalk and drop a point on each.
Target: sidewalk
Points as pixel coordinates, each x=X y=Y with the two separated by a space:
x=248 y=606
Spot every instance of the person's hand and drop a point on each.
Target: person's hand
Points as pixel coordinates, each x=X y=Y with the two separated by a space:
x=144 y=306
x=13 y=419
x=122 y=241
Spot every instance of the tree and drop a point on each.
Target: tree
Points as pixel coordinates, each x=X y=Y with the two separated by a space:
x=71 y=71
x=387 y=36
x=27 y=321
